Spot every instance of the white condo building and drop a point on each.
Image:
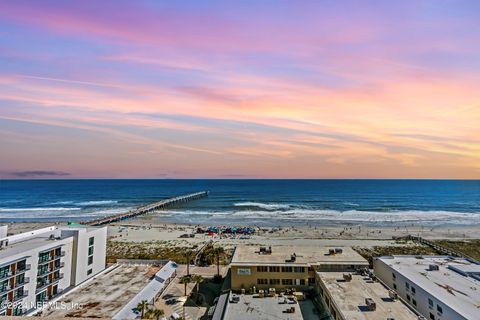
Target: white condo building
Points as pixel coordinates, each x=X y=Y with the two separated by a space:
x=438 y=287
x=39 y=265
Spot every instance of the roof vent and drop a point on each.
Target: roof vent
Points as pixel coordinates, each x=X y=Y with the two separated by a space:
x=264 y=250
x=433 y=267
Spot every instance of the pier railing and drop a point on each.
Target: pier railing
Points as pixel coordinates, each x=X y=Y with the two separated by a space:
x=147 y=209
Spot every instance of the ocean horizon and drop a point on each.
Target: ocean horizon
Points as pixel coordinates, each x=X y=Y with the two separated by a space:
x=253 y=202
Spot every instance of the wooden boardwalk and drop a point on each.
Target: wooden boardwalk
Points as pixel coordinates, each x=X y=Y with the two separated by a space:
x=147 y=209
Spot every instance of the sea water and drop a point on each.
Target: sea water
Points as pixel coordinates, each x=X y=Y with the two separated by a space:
x=250 y=202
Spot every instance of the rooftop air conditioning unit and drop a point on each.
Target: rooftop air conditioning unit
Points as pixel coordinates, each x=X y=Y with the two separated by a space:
x=433 y=267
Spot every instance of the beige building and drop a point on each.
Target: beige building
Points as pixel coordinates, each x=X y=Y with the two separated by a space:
x=288 y=266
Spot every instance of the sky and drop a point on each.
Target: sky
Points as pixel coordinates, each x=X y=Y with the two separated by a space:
x=240 y=89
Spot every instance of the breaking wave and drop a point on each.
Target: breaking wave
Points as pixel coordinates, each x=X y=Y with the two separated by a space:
x=265 y=206
x=312 y=215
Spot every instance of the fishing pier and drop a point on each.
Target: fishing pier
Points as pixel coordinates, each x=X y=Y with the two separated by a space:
x=148 y=208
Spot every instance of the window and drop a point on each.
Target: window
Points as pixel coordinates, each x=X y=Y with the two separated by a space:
x=90 y=250
x=43 y=269
x=394 y=276
x=20 y=279
x=4 y=285
x=407 y=285
x=274 y=281
x=91 y=241
x=274 y=269
x=408 y=297
x=302 y=282
x=22 y=265
x=43 y=257
x=262 y=281
x=287 y=269
x=262 y=269
x=311 y=281
x=414 y=302
x=18 y=293
x=439 y=309
x=42 y=281
x=299 y=269
x=430 y=303
x=432 y=317
x=42 y=296
x=287 y=282
x=90 y=260
x=394 y=286
x=89 y=272
x=4 y=271
x=413 y=290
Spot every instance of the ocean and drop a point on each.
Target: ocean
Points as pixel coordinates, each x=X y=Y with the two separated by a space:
x=250 y=202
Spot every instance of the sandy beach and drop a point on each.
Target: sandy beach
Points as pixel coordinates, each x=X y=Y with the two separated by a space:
x=149 y=228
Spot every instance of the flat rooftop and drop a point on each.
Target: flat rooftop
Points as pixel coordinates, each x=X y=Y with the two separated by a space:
x=35 y=241
x=267 y=308
x=350 y=298
x=459 y=292
x=106 y=294
x=306 y=255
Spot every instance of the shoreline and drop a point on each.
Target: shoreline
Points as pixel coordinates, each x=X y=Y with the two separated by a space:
x=149 y=228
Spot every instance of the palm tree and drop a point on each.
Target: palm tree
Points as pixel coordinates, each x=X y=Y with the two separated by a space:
x=219 y=252
x=197 y=279
x=142 y=306
x=188 y=255
x=149 y=313
x=157 y=313
x=185 y=280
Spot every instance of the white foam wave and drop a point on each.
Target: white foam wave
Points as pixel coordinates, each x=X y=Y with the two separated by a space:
x=96 y=203
x=265 y=206
x=347 y=216
x=37 y=209
x=56 y=213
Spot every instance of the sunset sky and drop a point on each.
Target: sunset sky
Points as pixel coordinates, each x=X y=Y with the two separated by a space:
x=238 y=89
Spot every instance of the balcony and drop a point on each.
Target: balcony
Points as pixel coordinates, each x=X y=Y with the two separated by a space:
x=60 y=277
x=17 y=285
x=27 y=267
x=6 y=275
x=48 y=270
x=43 y=285
x=24 y=294
x=51 y=258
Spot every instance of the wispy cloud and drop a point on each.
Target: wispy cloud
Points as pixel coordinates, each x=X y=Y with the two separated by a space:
x=241 y=89
x=38 y=174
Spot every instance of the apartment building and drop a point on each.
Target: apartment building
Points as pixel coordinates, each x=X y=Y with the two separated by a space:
x=438 y=287
x=288 y=266
x=354 y=296
x=39 y=265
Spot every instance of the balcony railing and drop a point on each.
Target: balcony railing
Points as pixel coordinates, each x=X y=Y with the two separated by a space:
x=24 y=294
x=26 y=268
x=51 y=258
x=42 y=286
x=48 y=270
x=6 y=275
x=46 y=283
x=17 y=285
x=60 y=277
